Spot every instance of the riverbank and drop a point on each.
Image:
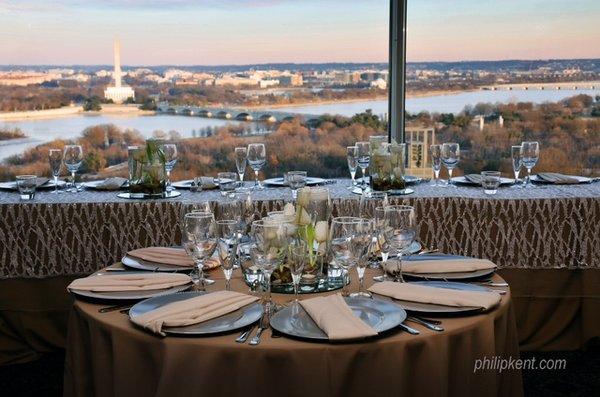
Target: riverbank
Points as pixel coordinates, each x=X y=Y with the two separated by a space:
x=68 y=111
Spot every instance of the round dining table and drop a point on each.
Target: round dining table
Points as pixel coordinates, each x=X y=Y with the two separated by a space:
x=108 y=356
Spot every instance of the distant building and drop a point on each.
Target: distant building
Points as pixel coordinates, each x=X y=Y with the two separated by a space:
x=118 y=93
x=265 y=83
x=291 y=80
x=419 y=138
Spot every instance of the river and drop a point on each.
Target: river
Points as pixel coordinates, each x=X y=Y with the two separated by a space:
x=68 y=127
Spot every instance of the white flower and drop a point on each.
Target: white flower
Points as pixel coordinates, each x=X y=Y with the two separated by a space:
x=321 y=231
x=289 y=210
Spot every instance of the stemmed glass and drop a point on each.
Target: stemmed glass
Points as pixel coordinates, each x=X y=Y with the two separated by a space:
x=436 y=162
x=257 y=158
x=170 y=151
x=296 y=180
x=517 y=162
x=450 y=158
x=361 y=247
x=382 y=244
x=363 y=158
x=343 y=231
x=296 y=258
x=371 y=200
x=55 y=158
x=352 y=163
x=199 y=239
x=241 y=159
x=530 y=152
x=73 y=157
x=228 y=248
x=269 y=248
x=400 y=231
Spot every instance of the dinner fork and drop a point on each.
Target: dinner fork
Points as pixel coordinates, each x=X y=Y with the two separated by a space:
x=264 y=324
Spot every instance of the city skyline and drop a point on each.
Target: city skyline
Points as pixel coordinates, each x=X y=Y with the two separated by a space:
x=239 y=32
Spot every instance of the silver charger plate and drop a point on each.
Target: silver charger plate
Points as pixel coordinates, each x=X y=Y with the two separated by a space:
x=381 y=315
x=445 y=276
x=130 y=295
x=414 y=248
x=440 y=309
x=94 y=185
x=461 y=180
x=402 y=192
x=171 y=194
x=46 y=186
x=310 y=181
x=140 y=264
x=240 y=318
x=581 y=179
x=187 y=184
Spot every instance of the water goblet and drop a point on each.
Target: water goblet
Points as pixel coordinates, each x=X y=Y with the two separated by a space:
x=73 y=157
x=517 y=163
x=227 y=183
x=296 y=180
x=436 y=162
x=26 y=186
x=400 y=232
x=170 y=151
x=257 y=158
x=241 y=160
x=199 y=238
x=55 y=159
x=450 y=158
x=490 y=181
x=341 y=238
x=530 y=153
x=362 y=244
x=363 y=158
x=381 y=246
x=352 y=163
x=227 y=248
x=296 y=258
x=371 y=200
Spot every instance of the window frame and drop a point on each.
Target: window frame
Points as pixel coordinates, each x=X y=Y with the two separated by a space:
x=397 y=70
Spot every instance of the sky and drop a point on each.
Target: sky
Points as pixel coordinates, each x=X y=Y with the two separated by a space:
x=218 y=32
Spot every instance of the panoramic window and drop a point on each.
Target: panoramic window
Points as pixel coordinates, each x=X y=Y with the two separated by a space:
x=305 y=78
x=489 y=74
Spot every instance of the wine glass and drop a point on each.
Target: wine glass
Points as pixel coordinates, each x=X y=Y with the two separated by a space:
x=199 y=240
x=381 y=243
x=296 y=258
x=73 y=157
x=241 y=159
x=170 y=151
x=228 y=248
x=341 y=235
x=296 y=180
x=55 y=159
x=450 y=158
x=400 y=231
x=363 y=157
x=268 y=251
x=530 y=152
x=371 y=200
x=436 y=162
x=517 y=162
x=257 y=158
x=361 y=247
x=352 y=163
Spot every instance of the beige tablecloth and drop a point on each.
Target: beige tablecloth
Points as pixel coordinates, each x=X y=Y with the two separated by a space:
x=107 y=356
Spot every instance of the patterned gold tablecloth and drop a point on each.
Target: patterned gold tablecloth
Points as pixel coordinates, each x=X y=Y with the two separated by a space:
x=67 y=234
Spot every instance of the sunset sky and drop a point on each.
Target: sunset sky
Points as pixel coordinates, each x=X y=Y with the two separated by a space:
x=214 y=32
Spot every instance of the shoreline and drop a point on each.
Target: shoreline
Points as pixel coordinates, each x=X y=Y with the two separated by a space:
x=68 y=111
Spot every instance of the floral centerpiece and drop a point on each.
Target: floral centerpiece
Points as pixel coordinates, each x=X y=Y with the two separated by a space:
x=387 y=166
x=147 y=171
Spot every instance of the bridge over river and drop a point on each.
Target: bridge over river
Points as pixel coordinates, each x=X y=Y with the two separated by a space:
x=258 y=115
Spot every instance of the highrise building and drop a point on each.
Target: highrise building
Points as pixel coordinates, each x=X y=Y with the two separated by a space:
x=419 y=138
x=118 y=93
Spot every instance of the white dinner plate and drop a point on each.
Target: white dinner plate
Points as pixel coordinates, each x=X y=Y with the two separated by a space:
x=581 y=179
x=240 y=318
x=461 y=180
x=46 y=186
x=310 y=181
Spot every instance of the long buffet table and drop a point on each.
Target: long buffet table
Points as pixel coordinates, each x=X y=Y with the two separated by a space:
x=546 y=242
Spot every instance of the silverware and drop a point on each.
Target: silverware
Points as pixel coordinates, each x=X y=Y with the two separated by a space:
x=264 y=324
x=426 y=324
x=428 y=251
x=114 y=308
x=408 y=329
x=490 y=283
x=244 y=335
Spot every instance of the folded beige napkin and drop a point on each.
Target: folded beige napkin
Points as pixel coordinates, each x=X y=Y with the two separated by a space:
x=439 y=296
x=164 y=255
x=114 y=183
x=129 y=282
x=557 y=178
x=455 y=265
x=193 y=311
x=207 y=182
x=475 y=178
x=335 y=318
